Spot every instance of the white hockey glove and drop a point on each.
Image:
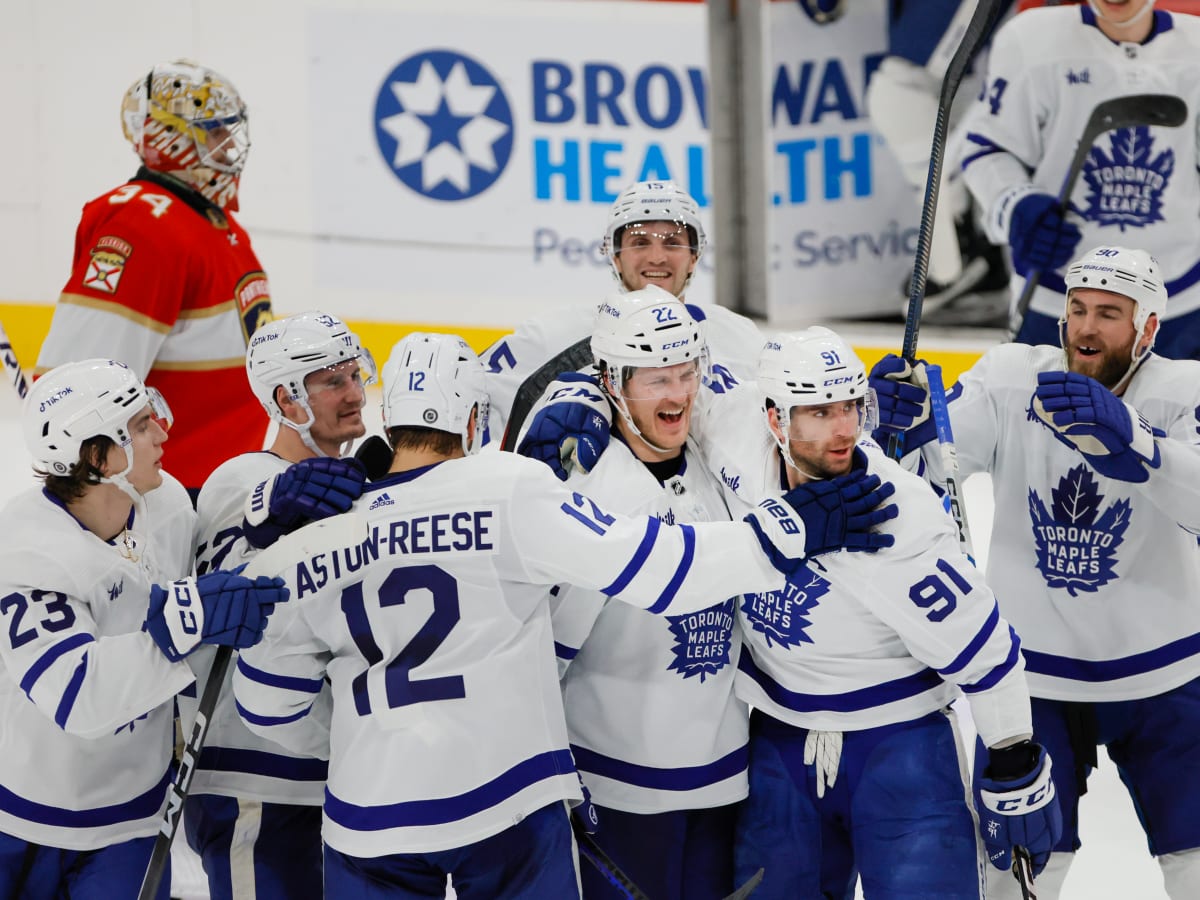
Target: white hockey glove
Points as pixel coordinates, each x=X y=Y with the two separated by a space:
x=1086 y=416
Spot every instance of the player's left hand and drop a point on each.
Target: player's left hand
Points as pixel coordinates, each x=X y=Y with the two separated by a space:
x=572 y=429
x=823 y=11
x=1112 y=436
x=303 y=492
x=1018 y=805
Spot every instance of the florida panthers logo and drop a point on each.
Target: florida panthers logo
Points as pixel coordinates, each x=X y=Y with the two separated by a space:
x=1077 y=539
x=783 y=616
x=702 y=640
x=1125 y=187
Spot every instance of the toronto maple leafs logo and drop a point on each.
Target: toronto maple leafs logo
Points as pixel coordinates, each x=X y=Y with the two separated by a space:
x=702 y=640
x=1077 y=539
x=443 y=125
x=782 y=616
x=1125 y=187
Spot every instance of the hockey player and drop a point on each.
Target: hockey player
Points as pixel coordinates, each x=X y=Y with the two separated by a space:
x=94 y=633
x=850 y=668
x=164 y=278
x=659 y=738
x=653 y=237
x=253 y=813
x=968 y=276
x=1048 y=70
x=1095 y=466
x=448 y=750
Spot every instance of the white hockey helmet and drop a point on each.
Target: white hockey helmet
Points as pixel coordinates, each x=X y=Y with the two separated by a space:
x=652 y=201
x=649 y=328
x=80 y=400
x=187 y=121
x=811 y=368
x=434 y=381
x=1131 y=273
x=286 y=350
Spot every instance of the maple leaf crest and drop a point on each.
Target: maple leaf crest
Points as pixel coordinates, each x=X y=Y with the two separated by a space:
x=783 y=617
x=1126 y=185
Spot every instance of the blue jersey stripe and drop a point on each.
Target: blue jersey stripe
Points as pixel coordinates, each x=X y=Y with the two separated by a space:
x=1112 y=669
x=52 y=654
x=685 y=566
x=562 y=651
x=287 y=682
x=684 y=778
x=256 y=719
x=139 y=807
x=639 y=558
x=981 y=638
x=417 y=813
x=993 y=677
x=67 y=702
x=261 y=762
x=848 y=701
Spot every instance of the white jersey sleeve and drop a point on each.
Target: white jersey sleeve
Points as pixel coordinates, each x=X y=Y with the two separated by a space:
x=435 y=637
x=85 y=693
x=1070 y=545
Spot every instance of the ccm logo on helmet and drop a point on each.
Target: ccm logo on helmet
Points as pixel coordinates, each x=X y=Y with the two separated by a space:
x=672 y=346
x=830 y=382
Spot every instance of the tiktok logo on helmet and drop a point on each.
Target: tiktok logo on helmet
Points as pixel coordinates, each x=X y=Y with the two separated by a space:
x=443 y=125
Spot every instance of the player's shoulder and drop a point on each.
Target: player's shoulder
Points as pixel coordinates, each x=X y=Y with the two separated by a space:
x=1172 y=379
x=244 y=470
x=169 y=495
x=1017 y=363
x=1029 y=34
x=1182 y=26
x=42 y=538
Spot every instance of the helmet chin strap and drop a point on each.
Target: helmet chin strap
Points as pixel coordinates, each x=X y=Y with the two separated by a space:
x=1146 y=7
x=1135 y=360
x=121 y=481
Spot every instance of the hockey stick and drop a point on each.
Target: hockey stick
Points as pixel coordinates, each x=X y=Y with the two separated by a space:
x=590 y=850
x=281 y=557
x=11 y=366
x=571 y=359
x=1163 y=110
x=1022 y=866
x=977 y=30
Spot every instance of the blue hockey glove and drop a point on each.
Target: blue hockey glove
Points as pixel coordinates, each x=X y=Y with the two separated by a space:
x=1041 y=239
x=304 y=491
x=1018 y=805
x=1085 y=415
x=217 y=608
x=823 y=11
x=902 y=402
x=572 y=429
x=833 y=515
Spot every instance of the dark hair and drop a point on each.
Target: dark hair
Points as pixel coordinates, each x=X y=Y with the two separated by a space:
x=83 y=473
x=418 y=438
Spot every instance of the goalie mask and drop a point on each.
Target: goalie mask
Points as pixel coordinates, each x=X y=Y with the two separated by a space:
x=186 y=121
x=81 y=400
x=648 y=329
x=818 y=386
x=1131 y=273
x=435 y=381
x=654 y=211
x=284 y=352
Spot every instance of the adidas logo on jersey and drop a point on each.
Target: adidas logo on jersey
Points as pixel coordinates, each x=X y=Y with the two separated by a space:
x=382 y=500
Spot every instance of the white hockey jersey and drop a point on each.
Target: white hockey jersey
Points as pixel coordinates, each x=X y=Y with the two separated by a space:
x=85 y=694
x=1139 y=186
x=651 y=713
x=860 y=640
x=734 y=343
x=447 y=722
x=1099 y=577
x=236 y=762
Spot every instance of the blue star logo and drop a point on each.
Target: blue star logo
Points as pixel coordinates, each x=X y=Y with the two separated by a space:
x=443 y=125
